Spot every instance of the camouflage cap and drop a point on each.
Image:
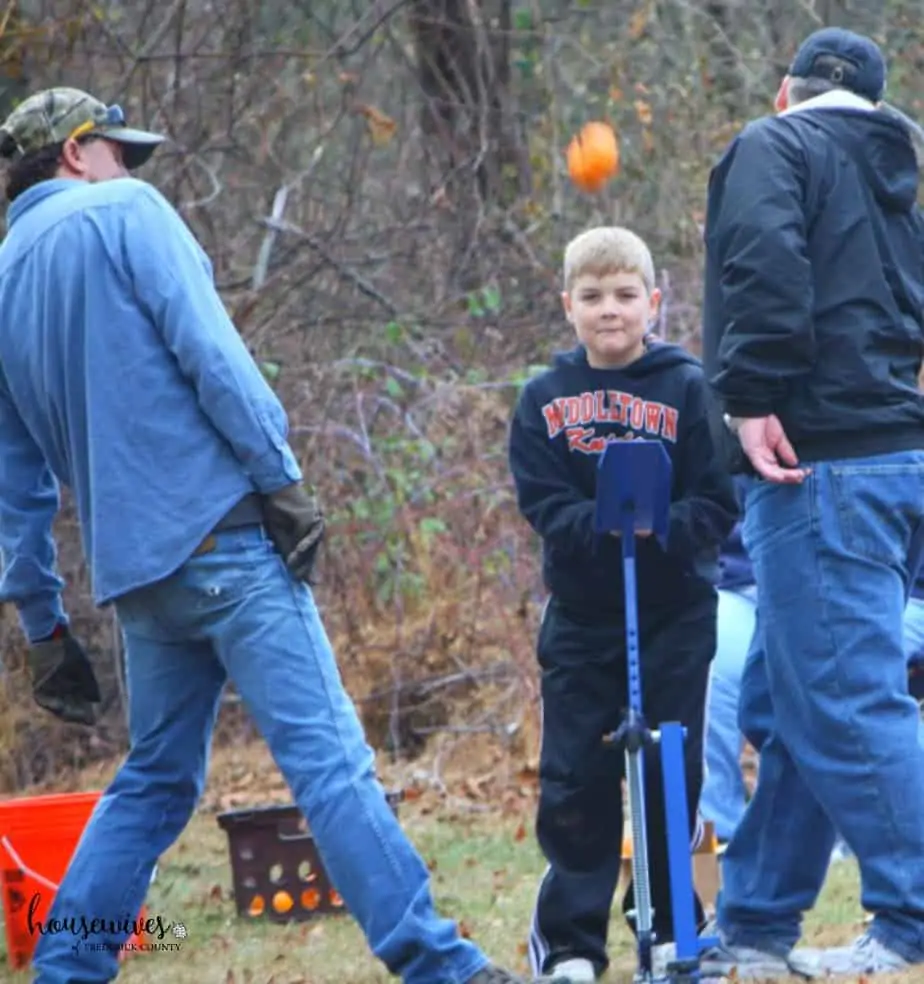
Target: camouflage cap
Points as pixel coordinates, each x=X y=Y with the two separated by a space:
x=55 y=115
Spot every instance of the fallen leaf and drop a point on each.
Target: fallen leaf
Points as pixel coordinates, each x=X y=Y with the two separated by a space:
x=643 y=112
x=529 y=772
x=471 y=789
x=381 y=126
x=520 y=833
x=441 y=199
x=637 y=23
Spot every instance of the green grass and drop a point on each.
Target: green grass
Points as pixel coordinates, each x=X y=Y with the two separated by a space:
x=484 y=872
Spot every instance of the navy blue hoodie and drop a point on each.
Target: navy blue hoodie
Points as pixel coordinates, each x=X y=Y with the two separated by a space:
x=561 y=424
x=814 y=281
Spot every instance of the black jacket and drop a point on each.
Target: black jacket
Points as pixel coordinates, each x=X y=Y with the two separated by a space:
x=814 y=281
x=561 y=424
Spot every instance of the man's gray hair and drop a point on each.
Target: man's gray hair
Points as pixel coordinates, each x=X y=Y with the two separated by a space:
x=802 y=89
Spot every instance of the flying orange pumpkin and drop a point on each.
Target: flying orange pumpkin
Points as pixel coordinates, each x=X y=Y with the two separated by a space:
x=593 y=156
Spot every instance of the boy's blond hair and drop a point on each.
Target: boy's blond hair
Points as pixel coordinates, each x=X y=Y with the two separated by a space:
x=608 y=249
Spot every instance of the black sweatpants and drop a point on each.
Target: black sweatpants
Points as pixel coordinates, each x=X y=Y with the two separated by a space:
x=580 y=817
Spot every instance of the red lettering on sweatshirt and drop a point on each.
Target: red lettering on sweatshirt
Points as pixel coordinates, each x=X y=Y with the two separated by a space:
x=578 y=415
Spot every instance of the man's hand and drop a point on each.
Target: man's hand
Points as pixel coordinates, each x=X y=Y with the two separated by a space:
x=765 y=443
x=295 y=524
x=63 y=681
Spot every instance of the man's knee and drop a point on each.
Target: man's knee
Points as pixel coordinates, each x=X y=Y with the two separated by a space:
x=161 y=786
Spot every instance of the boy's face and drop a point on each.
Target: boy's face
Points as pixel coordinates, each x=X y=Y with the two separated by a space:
x=611 y=315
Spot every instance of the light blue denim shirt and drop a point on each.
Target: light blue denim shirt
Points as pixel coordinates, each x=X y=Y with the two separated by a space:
x=123 y=378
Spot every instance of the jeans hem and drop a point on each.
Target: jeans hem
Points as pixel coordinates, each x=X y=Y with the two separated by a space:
x=474 y=967
x=891 y=941
x=775 y=945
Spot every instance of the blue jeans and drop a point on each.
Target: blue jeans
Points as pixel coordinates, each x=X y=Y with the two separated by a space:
x=839 y=734
x=724 y=796
x=236 y=613
x=914 y=629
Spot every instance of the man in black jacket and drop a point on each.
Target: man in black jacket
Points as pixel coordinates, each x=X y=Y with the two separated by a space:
x=813 y=319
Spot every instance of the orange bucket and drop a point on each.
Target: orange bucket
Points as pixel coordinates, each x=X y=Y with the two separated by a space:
x=38 y=837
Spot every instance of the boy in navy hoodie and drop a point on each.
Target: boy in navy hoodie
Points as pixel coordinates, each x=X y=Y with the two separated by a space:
x=616 y=384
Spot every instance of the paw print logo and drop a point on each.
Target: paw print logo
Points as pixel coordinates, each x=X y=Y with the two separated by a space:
x=179 y=931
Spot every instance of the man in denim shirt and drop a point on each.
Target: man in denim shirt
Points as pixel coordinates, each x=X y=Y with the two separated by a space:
x=122 y=377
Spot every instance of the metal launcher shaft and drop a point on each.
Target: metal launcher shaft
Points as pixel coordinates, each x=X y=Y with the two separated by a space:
x=633 y=500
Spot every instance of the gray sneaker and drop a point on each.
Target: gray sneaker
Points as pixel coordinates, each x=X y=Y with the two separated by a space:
x=744 y=963
x=664 y=955
x=574 y=971
x=866 y=955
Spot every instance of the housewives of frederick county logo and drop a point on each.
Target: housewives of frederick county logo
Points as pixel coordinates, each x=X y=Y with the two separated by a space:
x=144 y=935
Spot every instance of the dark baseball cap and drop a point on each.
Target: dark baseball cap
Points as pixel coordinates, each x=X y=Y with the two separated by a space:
x=851 y=61
x=55 y=115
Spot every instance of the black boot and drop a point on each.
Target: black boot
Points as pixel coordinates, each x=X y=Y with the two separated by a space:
x=497 y=975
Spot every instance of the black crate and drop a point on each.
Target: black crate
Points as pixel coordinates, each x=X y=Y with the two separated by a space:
x=275 y=867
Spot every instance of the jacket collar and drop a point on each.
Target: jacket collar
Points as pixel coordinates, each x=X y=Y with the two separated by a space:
x=835 y=99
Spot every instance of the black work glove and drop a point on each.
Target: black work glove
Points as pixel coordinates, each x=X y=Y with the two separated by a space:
x=63 y=681
x=295 y=524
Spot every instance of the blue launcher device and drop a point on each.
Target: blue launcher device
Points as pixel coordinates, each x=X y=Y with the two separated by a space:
x=633 y=500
